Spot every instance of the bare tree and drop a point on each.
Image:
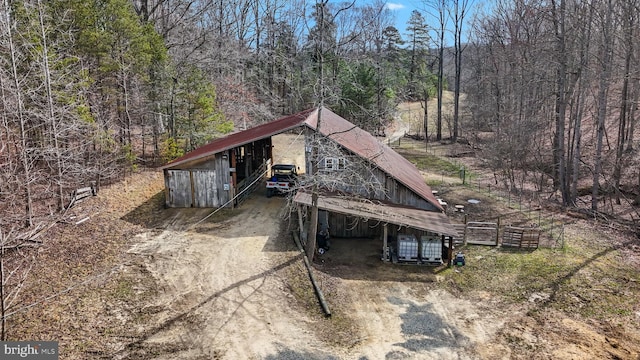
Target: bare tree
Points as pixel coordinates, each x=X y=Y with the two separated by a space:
x=606 y=54
x=458 y=12
x=24 y=152
x=628 y=15
x=583 y=74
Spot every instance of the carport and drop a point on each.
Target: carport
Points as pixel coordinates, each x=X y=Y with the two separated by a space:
x=405 y=219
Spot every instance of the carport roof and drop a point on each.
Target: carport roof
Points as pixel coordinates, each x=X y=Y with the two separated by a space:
x=259 y=132
x=388 y=213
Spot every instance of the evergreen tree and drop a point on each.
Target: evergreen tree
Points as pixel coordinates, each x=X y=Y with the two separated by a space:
x=418 y=47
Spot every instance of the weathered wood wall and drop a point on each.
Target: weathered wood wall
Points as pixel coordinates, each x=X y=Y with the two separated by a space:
x=199 y=184
x=349 y=227
x=379 y=186
x=178 y=188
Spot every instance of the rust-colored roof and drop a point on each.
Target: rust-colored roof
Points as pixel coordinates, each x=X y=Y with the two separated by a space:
x=388 y=213
x=243 y=137
x=351 y=137
x=365 y=145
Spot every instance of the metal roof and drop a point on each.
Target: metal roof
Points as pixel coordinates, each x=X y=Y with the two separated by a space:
x=259 y=132
x=351 y=137
x=387 y=213
x=365 y=145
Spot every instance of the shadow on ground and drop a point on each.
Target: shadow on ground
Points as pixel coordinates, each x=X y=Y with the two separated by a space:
x=360 y=259
x=425 y=330
x=152 y=214
x=141 y=345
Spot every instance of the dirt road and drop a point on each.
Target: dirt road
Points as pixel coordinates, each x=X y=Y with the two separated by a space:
x=221 y=287
x=223 y=295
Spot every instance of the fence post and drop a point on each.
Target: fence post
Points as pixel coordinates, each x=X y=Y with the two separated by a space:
x=539 y=217
x=520 y=201
x=464 y=235
x=498 y=232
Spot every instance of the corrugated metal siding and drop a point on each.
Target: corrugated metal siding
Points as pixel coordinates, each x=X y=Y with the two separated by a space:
x=178 y=184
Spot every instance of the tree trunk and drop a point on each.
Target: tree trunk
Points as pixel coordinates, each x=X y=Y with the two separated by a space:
x=581 y=94
x=560 y=102
x=50 y=107
x=602 y=103
x=441 y=11
x=3 y=310
x=25 y=156
x=628 y=25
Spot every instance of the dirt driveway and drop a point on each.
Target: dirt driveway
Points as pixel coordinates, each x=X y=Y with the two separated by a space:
x=223 y=293
x=220 y=286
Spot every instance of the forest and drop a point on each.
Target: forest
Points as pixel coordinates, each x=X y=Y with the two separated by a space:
x=546 y=90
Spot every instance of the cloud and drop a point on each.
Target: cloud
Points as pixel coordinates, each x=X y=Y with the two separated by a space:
x=394 y=6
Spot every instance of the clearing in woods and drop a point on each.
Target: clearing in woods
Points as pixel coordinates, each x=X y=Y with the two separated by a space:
x=228 y=290
x=234 y=287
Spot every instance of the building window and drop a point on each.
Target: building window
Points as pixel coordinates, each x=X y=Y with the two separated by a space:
x=332 y=163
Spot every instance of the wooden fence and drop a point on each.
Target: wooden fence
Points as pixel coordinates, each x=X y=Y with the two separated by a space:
x=247 y=185
x=79 y=195
x=524 y=238
x=487 y=233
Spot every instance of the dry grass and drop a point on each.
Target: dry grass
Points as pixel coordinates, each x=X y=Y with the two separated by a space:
x=84 y=289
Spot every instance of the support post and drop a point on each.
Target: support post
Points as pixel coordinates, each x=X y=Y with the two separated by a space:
x=464 y=232
x=385 y=248
x=301 y=223
x=498 y=232
x=450 y=252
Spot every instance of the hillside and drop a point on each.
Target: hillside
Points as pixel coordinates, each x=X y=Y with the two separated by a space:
x=137 y=281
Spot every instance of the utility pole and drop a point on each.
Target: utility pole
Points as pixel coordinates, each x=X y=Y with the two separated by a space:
x=313 y=223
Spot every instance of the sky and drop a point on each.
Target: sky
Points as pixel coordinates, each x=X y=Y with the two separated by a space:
x=402 y=9
x=402 y=12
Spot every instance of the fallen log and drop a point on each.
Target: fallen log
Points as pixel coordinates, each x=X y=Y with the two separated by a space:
x=316 y=288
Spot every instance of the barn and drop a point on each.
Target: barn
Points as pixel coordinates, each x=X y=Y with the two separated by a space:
x=380 y=194
x=212 y=175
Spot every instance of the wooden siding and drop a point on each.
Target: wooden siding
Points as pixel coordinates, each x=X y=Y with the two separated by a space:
x=348 y=226
x=178 y=188
x=200 y=186
x=352 y=227
x=205 y=189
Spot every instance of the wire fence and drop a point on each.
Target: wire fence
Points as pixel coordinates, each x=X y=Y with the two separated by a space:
x=523 y=208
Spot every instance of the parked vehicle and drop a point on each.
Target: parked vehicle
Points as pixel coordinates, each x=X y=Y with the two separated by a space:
x=282 y=180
